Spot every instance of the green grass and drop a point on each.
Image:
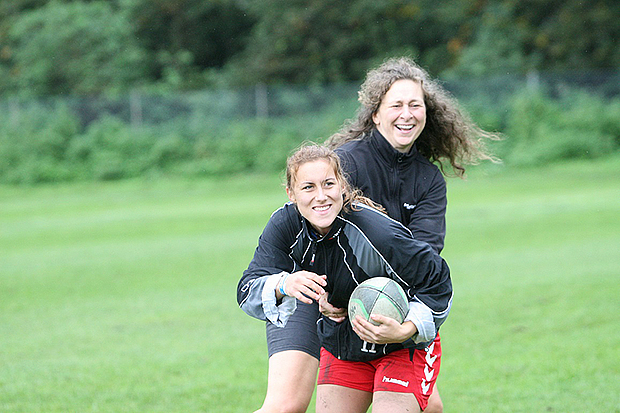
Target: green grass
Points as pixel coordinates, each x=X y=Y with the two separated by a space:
x=121 y=296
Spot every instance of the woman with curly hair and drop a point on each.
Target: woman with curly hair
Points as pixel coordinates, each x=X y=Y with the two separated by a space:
x=407 y=130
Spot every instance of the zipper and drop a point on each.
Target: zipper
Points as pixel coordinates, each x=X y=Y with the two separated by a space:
x=313 y=247
x=396 y=172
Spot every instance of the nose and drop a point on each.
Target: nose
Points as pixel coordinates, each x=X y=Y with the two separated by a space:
x=406 y=113
x=320 y=195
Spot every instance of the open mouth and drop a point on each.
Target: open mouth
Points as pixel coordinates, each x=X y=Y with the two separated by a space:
x=404 y=128
x=321 y=208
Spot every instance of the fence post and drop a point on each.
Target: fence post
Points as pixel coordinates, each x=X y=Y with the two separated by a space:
x=262 y=100
x=532 y=80
x=13 y=110
x=135 y=109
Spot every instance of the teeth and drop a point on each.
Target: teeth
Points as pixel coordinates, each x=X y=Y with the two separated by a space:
x=322 y=208
x=405 y=127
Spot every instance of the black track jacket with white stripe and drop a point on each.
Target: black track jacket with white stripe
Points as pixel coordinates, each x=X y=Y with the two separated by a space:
x=362 y=243
x=408 y=186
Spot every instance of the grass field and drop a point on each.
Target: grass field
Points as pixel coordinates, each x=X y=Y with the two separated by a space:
x=120 y=297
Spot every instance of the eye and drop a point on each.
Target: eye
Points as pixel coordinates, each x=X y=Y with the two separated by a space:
x=306 y=187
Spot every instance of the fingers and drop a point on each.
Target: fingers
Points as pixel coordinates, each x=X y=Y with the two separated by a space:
x=381 y=319
x=328 y=310
x=363 y=329
x=388 y=330
x=306 y=286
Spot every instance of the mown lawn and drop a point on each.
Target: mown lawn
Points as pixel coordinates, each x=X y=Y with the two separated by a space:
x=121 y=296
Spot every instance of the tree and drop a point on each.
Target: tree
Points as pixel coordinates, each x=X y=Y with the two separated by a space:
x=572 y=34
x=81 y=48
x=524 y=35
x=325 y=41
x=184 y=38
x=91 y=46
x=496 y=46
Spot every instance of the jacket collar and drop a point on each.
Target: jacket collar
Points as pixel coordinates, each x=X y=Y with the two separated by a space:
x=313 y=235
x=387 y=151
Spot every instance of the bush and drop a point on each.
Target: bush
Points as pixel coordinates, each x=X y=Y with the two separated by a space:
x=577 y=125
x=33 y=146
x=48 y=142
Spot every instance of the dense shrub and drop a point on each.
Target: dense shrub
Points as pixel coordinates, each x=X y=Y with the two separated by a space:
x=50 y=143
x=576 y=125
x=33 y=146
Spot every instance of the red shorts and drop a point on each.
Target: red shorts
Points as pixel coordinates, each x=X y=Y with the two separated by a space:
x=395 y=372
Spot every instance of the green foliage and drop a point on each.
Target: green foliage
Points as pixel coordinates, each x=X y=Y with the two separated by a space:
x=86 y=47
x=33 y=147
x=110 y=150
x=255 y=144
x=577 y=125
x=324 y=41
x=219 y=134
x=184 y=39
x=518 y=36
x=570 y=34
x=494 y=48
x=76 y=47
x=54 y=149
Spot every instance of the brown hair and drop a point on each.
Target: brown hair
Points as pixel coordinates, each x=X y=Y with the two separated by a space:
x=449 y=133
x=312 y=152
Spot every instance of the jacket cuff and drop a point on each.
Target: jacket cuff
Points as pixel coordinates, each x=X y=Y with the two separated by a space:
x=422 y=316
x=277 y=314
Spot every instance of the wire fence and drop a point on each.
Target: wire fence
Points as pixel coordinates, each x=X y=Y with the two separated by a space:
x=277 y=101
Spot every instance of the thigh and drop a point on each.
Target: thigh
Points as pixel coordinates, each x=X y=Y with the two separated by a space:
x=392 y=402
x=293 y=361
x=298 y=334
x=340 y=399
x=291 y=381
x=435 y=404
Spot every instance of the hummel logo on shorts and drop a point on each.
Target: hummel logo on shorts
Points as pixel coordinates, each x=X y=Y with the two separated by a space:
x=395 y=381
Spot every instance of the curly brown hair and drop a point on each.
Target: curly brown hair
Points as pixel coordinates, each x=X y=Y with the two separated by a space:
x=449 y=135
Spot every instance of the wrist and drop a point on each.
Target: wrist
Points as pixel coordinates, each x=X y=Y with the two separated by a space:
x=409 y=330
x=281 y=286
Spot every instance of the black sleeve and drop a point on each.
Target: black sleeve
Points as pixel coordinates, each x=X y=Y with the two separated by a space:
x=270 y=257
x=415 y=265
x=424 y=271
x=428 y=220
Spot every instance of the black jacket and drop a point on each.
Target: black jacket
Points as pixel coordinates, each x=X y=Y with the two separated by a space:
x=362 y=243
x=409 y=186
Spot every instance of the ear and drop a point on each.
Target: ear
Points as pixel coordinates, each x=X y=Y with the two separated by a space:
x=291 y=194
x=375 y=119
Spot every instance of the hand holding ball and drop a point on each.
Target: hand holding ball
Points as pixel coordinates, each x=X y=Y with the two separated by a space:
x=378 y=295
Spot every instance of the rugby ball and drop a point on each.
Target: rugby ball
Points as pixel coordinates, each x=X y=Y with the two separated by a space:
x=378 y=295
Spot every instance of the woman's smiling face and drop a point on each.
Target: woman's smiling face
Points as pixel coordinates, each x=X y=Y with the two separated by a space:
x=317 y=193
x=401 y=116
